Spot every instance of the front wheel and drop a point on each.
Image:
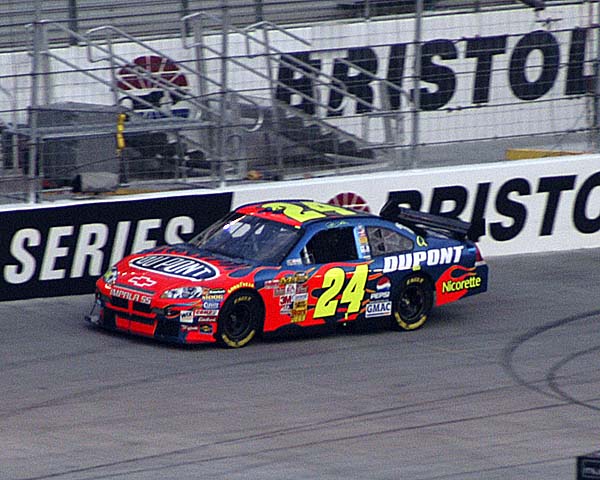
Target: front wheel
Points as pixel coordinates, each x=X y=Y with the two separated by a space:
x=412 y=303
x=239 y=319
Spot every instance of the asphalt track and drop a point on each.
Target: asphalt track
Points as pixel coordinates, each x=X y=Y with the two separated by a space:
x=501 y=386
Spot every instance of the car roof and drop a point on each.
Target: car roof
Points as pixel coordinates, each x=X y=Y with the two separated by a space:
x=299 y=212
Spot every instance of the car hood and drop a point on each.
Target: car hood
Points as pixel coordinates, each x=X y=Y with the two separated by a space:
x=163 y=268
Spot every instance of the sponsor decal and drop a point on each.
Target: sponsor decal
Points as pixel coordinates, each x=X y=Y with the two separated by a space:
x=300 y=277
x=176 y=266
x=271 y=284
x=216 y=291
x=186 y=316
x=279 y=292
x=379 y=309
x=362 y=235
x=202 y=328
x=451 y=286
x=285 y=304
x=431 y=258
x=382 y=289
x=455 y=283
x=205 y=313
x=301 y=297
x=363 y=242
x=141 y=281
x=131 y=296
x=383 y=284
x=298 y=313
x=211 y=297
x=206 y=328
x=211 y=305
x=240 y=285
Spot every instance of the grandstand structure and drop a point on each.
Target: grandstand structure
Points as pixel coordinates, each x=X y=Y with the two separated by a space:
x=97 y=95
x=159 y=18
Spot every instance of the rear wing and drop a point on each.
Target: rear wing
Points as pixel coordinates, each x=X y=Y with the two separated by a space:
x=421 y=222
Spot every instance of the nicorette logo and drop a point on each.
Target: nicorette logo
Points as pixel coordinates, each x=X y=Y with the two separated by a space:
x=176 y=266
x=451 y=286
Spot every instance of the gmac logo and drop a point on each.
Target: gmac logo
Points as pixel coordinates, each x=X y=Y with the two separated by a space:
x=176 y=266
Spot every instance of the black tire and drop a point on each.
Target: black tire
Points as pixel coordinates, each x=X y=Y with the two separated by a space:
x=412 y=303
x=239 y=320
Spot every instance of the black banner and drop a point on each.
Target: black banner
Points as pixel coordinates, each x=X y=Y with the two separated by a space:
x=53 y=251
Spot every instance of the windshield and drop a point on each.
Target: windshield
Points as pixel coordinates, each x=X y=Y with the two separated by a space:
x=248 y=238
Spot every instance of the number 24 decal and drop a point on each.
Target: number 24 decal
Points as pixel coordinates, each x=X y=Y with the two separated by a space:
x=333 y=283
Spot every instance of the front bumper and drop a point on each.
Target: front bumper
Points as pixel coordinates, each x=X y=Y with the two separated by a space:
x=131 y=317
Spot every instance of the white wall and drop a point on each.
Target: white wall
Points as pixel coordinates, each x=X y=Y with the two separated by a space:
x=564 y=192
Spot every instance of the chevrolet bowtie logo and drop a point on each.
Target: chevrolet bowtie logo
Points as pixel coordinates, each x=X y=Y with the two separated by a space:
x=142 y=281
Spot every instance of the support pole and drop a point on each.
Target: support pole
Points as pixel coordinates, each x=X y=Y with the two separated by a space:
x=73 y=23
x=417 y=85
x=597 y=81
x=223 y=124
x=33 y=120
x=260 y=16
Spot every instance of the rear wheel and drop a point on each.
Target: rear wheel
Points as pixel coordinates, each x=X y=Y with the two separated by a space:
x=412 y=303
x=239 y=319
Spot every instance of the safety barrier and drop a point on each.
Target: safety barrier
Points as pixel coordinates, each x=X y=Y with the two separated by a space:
x=518 y=207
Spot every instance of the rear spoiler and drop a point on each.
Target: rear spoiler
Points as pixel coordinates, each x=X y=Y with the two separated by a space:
x=421 y=222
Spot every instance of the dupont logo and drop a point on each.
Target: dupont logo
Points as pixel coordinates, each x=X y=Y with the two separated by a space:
x=176 y=266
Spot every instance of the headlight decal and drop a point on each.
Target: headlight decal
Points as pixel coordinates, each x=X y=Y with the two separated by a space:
x=111 y=276
x=183 y=292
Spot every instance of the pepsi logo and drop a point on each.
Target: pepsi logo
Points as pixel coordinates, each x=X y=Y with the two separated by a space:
x=383 y=284
x=382 y=288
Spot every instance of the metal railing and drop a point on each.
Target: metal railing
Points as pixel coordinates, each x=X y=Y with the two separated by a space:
x=228 y=121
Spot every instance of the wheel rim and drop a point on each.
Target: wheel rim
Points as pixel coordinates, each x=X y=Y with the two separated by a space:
x=411 y=304
x=239 y=322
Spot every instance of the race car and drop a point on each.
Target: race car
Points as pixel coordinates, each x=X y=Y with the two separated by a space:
x=270 y=265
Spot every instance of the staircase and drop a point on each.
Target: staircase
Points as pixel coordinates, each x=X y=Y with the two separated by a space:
x=295 y=137
x=228 y=133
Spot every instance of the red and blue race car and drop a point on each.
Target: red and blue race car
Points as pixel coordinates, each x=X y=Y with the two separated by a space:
x=270 y=265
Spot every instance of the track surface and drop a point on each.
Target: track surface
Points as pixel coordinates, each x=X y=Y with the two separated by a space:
x=501 y=386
